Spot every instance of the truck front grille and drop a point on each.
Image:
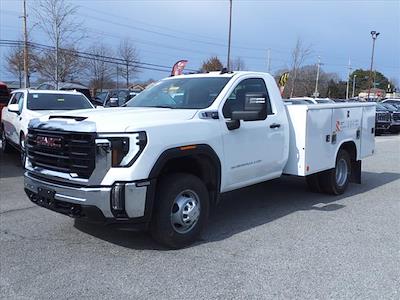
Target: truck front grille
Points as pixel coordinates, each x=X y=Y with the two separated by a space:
x=66 y=152
x=383 y=117
x=396 y=116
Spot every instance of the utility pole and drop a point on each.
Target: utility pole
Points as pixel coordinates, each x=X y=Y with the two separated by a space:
x=57 y=48
x=354 y=85
x=269 y=60
x=229 y=39
x=374 y=36
x=348 y=80
x=117 y=77
x=316 y=94
x=26 y=77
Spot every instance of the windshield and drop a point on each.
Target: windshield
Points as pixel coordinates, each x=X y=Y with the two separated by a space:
x=389 y=106
x=188 y=93
x=380 y=107
x=42 y=101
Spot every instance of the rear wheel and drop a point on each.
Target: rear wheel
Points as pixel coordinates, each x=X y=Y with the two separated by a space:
x=335 y=181
x=181 y=210
x=5 y=146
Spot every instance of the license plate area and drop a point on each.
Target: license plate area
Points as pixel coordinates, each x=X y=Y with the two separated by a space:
x=46 y=194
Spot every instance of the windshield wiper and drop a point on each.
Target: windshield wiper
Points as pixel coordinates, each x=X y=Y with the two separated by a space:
x=161 y=106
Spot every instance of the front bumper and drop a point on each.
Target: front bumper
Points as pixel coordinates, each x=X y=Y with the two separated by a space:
x=92 y=203
x=382 y=126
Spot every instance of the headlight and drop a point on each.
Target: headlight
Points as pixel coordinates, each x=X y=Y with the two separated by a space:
x=125 y=147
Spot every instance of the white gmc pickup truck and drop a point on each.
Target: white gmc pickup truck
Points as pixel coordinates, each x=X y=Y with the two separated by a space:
x=162 y=161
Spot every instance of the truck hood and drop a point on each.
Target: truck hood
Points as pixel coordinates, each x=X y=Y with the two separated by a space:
x=39 y=113
x=122 y=118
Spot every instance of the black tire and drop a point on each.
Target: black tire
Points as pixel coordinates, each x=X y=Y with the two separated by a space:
x=313 y=183
x=330 y=183
x=22 y=149
x=163 y=228
x=5 y=146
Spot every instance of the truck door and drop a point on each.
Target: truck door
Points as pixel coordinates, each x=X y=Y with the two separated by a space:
x=12 y=120
x=254 y=151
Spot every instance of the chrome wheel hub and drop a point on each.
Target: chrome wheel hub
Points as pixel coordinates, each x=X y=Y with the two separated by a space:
x=185 y=211
x=342 y=171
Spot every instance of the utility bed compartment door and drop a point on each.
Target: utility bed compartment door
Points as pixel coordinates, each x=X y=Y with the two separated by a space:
x=368 y=132
x=318 y=151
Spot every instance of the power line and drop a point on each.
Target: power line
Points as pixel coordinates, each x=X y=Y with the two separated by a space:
x=87 y=55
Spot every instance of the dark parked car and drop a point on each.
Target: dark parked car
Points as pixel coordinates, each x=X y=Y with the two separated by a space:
x=382 y=119
x=112 y=98
x=66 y=86
x=393 y=101
x=395 y=117
x=4 y=96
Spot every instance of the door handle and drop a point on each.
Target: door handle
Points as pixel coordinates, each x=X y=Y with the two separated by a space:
x=274 y=125
x=20 y=118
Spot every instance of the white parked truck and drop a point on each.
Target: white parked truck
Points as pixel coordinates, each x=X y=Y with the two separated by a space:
x=27 y=104
x=162 y=161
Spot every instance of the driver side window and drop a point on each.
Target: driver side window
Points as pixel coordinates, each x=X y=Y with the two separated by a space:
x=236 y=99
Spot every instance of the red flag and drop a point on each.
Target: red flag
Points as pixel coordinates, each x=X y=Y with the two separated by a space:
x=178 y=67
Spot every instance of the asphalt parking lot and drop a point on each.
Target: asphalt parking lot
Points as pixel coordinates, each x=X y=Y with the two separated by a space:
x=273 y=240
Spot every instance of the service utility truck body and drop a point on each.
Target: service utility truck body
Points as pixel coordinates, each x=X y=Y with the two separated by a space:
x=162 y=161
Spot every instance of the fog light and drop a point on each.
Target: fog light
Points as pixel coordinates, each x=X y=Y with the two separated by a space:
x=118 y=198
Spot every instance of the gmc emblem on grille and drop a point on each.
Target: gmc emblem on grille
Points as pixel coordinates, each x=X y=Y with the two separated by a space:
x=51 y=142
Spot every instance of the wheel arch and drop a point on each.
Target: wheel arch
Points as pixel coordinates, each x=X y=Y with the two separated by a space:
x=199 y=160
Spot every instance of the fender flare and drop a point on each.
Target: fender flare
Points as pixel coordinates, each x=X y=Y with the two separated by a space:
x=188 y=151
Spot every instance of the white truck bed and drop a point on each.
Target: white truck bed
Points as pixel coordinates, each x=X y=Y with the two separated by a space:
x=318 y=130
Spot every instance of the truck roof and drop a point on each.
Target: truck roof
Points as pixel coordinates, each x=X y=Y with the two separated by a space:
x=30 y=91
x=218 y=74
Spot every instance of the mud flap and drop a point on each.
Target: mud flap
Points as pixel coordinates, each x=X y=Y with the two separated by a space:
x=355 y=171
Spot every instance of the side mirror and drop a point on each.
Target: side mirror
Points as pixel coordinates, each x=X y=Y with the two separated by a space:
x=114 y=102
x=255 y=108
x=13 y=108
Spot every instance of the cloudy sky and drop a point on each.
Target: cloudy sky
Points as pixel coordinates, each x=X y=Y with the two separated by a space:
x=166 y=31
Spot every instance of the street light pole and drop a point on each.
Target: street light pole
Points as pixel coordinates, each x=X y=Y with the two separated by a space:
x=374 y=36
x=229 y=39
x=354 y=85
x=348 y=80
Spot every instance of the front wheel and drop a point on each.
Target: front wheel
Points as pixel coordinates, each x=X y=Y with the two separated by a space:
x=336 y=180
x=22 y=149
x=5 y=146
x=181 y=210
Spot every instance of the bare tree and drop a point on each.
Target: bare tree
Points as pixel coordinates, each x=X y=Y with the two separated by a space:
x=130 y=57
x=58 y=21
x=238 y=64
x=69 y=68
x=299 y=54
x=98 y=69
x=15 y=63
